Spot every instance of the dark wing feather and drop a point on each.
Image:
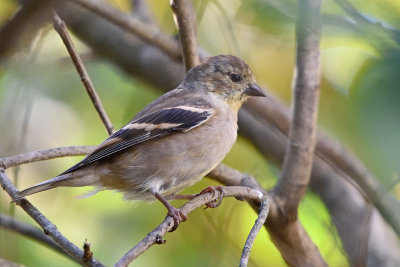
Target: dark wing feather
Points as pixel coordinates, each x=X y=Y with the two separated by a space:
x=154 y=125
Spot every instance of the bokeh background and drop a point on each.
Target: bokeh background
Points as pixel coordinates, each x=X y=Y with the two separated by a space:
x=43 y=105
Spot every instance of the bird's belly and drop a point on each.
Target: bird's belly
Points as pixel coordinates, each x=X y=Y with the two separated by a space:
x=169 y=164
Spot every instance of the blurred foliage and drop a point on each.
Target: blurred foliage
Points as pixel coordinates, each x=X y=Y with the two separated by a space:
x=43 y=104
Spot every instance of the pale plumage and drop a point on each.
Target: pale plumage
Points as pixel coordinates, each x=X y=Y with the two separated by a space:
x=173 y=142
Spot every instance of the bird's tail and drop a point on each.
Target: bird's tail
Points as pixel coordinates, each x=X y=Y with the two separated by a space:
x=67 y=179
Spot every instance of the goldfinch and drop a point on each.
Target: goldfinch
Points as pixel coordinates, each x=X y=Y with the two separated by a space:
x=172 y=143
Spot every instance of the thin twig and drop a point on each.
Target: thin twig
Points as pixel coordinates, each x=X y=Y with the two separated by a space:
x=48 y=227
x=44 y=154
x=262 y=216
x=28 y=230
x=184 y=16
x=147 y=32
x=61 y=28
x=156 y=235
x=296 y=168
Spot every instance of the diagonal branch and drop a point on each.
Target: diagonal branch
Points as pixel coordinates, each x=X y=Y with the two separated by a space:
x=48 y=227
x=61 y=28
x=296 y=169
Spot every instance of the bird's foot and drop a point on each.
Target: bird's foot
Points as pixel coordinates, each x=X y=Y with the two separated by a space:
x=177 y=215
x=212 y=190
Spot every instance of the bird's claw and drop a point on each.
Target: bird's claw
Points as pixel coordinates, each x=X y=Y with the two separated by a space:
x=178 y=216
x=212 y=189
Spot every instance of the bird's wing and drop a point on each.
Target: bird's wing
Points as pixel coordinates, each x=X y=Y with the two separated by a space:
x=154 y=125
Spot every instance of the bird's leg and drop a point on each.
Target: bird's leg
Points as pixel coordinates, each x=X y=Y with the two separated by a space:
x=210 y=189
x=175 y=213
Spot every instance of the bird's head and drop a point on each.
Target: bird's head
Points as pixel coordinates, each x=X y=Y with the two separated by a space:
x=226 y=76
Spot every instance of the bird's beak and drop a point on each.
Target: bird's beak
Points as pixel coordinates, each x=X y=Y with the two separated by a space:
x=254 y=90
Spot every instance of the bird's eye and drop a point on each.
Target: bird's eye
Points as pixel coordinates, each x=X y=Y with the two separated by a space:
x=235 y=77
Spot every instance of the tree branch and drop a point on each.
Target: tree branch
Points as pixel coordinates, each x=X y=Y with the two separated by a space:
x=61 y=28
x=296 y=168
x=44 y=154
x=184 y=17
x=48 y=227
x=155 y=237
x=262 y=216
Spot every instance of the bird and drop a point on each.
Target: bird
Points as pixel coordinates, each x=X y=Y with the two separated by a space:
x=173 y=142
